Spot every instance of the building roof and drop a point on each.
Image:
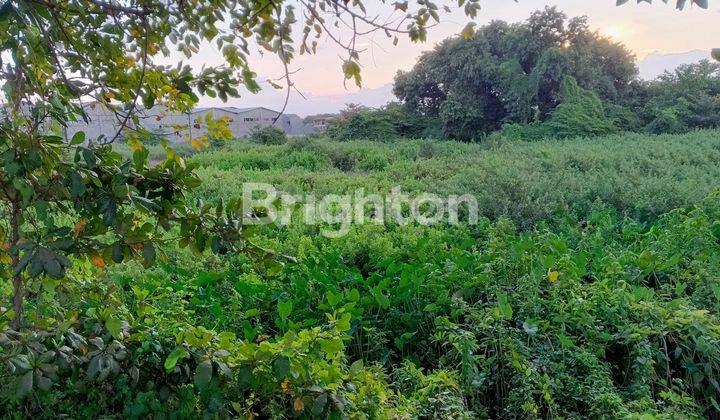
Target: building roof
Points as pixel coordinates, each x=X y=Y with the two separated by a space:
x=232 y=109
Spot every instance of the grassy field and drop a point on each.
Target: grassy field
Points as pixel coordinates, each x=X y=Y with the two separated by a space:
x=591 y=289
x=639 y=176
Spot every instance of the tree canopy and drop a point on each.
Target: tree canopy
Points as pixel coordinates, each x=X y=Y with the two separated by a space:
x=512 y=73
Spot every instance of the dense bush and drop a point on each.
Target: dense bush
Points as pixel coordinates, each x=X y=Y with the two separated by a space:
x=574 y=311
x=268 y=135
x=363 y=124
x=382 y=124
x=597 y=318
x=580 y=114
x=687 y=98
x=527 y=182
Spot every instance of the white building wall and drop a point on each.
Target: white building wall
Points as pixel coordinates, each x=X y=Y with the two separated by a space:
x=178 y=127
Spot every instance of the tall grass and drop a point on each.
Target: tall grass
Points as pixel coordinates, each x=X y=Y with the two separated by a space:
x=641 y=176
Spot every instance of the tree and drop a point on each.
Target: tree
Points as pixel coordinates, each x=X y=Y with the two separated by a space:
x=687 y=98
x=512 y=73
x=580 y=113
x=73 y=202
x=268 y=135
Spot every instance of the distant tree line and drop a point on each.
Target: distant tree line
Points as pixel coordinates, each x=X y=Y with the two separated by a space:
x=549 y=76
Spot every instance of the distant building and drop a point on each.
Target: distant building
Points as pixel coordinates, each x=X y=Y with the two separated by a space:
x=178 y=126
x=320 y=122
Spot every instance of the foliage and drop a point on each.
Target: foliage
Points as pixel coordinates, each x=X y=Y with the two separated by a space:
x=66 y=50
x=688 y=98
x=527 y=132
x=64 y=201
x=127 y=314
x=512 y=73
x=579 y=114
x=268 y=135
x=359 y=122
x=595 y=317
x=527 y=182
x=666 y=121
x=383 y=124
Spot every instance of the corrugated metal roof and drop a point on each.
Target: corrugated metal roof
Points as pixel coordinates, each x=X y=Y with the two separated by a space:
x=232 y=109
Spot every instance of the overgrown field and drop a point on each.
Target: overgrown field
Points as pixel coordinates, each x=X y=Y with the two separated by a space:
x=640 y=176
x=591 y=288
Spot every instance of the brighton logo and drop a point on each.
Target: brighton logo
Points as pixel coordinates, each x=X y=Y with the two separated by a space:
x=263 y=204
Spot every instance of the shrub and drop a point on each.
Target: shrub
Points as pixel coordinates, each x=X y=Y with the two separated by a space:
x=623 y=117
x=691 y=92
x=580 y=113
x=363 y=124
x=527 y=132
x=598 y=315
x=268 y=135
x=383 y=124
x=666 y=121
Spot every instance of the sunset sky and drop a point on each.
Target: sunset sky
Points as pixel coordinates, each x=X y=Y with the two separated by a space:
x=642 y=27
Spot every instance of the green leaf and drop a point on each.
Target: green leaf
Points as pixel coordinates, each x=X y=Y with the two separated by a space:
x=117 y=252
x=565 y=340
x=44 y=383
x=77 y=138
x=343 y=323
x=24 y=187
x=109 y=211
x=148 y=254
x=356 y=367
x=77 y=186
x=504 y=306
x=281 y=367
x=319 y=404
x=331 y=346
x=203 y=374
x=24 y=385
x=176 y=355
x=273 y=267
x=285 y=308
x=21 y=361
x=114 y=326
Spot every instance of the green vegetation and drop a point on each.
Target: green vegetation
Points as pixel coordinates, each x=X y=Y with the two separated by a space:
x=133 y=288
x=590 y=313
x=513 y=73
x=384 y=124
x=514 y=78
x=640 y=176
x=268 y=135
x=580 y=114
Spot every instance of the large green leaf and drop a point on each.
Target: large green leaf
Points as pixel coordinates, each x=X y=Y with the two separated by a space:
x=203 y=374
x=114 y=326
x=176 y=355
x=24 y=384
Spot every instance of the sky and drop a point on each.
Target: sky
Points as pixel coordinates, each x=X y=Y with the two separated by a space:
x=646 y=29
